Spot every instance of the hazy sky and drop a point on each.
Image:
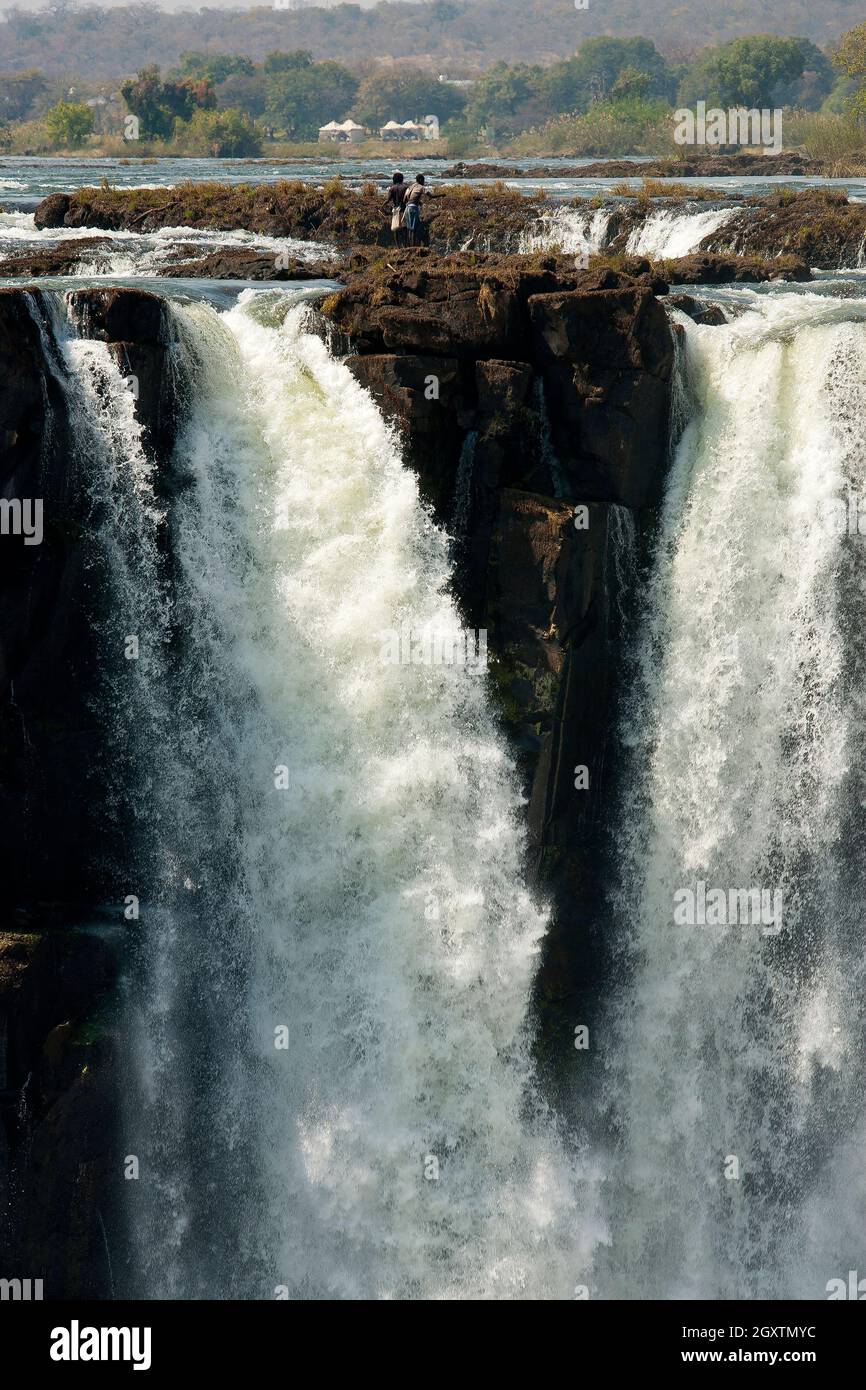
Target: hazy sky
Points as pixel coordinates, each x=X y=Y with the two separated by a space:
x=176 y=5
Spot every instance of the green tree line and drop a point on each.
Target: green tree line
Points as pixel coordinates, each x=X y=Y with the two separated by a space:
x=227 y=103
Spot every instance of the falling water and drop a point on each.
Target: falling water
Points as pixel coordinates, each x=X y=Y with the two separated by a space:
x=571 y=230
x=733 y=1051
x=463 y=484
x=331 y=1091
x=334 y=1092
x=670 y=232
x=663 y=233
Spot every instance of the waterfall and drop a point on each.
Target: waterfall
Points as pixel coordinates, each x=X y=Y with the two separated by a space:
x=331 y=1087
x=463 y=485
x=621 y=563
x=663 y=233
x=734 y=1052
x=574 y=231
x=670 y=232
x=546 y=450
x=332 y=1093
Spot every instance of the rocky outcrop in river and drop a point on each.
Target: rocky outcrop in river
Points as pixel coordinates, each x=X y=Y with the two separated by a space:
x=335 y=213
x=813 y=227
x=533 y=400
x=819 y=226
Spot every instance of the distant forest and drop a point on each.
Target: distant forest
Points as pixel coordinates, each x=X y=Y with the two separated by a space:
x=459 y=37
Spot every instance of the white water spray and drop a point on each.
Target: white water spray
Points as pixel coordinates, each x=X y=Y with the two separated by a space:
x=735 y=1056
x=331 y=849
x=670 y=232
x=338 y=947
x=573 y=231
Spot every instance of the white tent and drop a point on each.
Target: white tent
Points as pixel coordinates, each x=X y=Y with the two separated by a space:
x=353 y=131
x=407 y=131
x=339 y=131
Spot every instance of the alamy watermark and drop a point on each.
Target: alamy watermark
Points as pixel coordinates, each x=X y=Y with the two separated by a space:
x=846 y=515
x=701 y=906
x=77 y=1343
x=431 y=646
x=21 y=1290
x=22 y=516
x=737 y=126
x=854 y=1290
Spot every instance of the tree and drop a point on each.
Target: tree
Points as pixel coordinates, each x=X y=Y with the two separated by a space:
x=596 y=68
x=215 y=67
x=222 y=134
x=246 y=91
x=405 y=94
x=305 y=96
x=850 y=58
x=287 y=62
x=506 y=100
x=631 y=85
x=21 y=93
x=751 y=72
x=69 y=123
x=159 y=105
x=23 y=24
x=808 y=91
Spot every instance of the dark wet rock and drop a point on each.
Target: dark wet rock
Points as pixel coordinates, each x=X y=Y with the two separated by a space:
x=335 y=213
x=597 y=339
x=59 y=1110
x=820 y=227
x=466 y=305
x=483 y=170
x=52 y=211
x=63 y=259
x=606 y=358
x=22 y=386
x=47 y=730
x=786 y=164
x=697 y=309
x=550 y=606
x=64 y=848
x=51 y=811
x=708 y=166
x=502 y=389
x=236 y=263
x=424 y=398
x=115 y=315
x=546 y=609
x=48 y=976
x=702 y=268
x=71 y=1188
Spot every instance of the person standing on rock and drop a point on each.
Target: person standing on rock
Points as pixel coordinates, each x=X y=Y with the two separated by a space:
x=412 y=199
x=394 y=208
